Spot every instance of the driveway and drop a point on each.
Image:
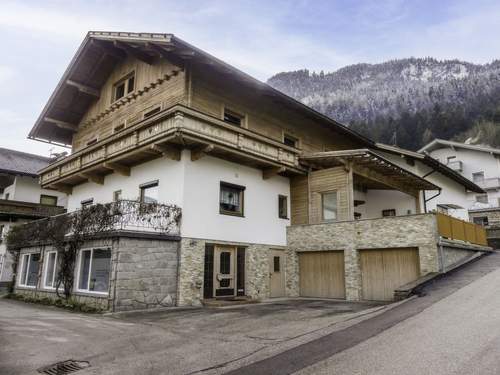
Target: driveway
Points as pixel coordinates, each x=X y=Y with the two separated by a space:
x=179 y=341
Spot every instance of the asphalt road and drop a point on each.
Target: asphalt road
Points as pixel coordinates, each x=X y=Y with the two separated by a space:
x=454 y=328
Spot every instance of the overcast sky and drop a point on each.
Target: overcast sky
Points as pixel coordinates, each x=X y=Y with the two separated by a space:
x=260 y=37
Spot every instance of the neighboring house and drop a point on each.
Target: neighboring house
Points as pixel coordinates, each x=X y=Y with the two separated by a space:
x=480 y=164
x=276 y=198
x=22 y=199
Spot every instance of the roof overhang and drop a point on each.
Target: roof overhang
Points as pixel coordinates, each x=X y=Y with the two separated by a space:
x=370 y=160
x=442 y=143
x=99 y=53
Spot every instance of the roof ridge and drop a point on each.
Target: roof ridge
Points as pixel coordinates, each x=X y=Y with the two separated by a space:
x=47 y=158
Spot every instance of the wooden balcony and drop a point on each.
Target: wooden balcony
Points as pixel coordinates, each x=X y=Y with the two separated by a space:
x=17 y=209
x=165 y=134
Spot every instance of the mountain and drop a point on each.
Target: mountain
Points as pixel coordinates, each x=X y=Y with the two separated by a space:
x=407 y=102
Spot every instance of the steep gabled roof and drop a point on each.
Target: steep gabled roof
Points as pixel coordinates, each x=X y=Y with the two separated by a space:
x=439 y=143
x=99 y=53
x=434 y=164
x=21 y=163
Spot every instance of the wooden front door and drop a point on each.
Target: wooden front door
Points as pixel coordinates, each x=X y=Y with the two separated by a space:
x=321 y=274
x=277 y=273
x=224 y=271
x=384 y=270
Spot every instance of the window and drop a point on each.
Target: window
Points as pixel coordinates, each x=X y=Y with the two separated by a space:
x=93 y=271
x=482 y=198
x=450 y=159
x=51 y=270
x=87 y=203
x=329 y=205
x=48 y=200
x=231 y=199
x=119 y=127
x=117 y=196
x=276 y=264
x=390 y=212
x=478 y=177
x=481 y=220
x=283 y=206
x=123 y=87
x=149 y=192
x=290 y=141
x=92 y=141
x=152 y=112
x=233 y=118
x=29 y=270
x=7 y=196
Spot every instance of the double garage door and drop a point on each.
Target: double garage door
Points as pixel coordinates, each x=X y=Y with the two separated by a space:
x=382 y=271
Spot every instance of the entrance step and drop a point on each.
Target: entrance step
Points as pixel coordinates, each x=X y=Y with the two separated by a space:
x=228 y=301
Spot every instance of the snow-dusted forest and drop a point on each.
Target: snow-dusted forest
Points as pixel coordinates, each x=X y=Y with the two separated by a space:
x=407 y=101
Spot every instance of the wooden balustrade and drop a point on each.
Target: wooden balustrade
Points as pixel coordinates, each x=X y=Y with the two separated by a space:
x=456 y=229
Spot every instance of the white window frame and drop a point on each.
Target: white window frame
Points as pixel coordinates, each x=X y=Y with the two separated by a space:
x=78 y=270
x=46 y=268
x=23 y=260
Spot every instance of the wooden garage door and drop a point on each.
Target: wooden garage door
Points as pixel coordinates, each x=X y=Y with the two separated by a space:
x=385 y=270
x=321 y=274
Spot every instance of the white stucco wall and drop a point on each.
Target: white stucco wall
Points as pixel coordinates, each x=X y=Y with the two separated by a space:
x=379 y=200
x=27 y=189
x=474 y=161
x=194 y=186
x=452 y=192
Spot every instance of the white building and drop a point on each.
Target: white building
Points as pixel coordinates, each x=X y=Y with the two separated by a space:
x=22 y=198
x=479 y=164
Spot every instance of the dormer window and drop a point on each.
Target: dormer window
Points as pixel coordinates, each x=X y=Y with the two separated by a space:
x=123 y=87
x=290 y=140
x=233 y=118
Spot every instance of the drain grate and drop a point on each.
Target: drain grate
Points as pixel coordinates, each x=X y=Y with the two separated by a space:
x=62 y=368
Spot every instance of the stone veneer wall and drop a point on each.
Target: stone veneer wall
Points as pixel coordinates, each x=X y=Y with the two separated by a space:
x=143 y=274
x=191 y=269
x=392 y=232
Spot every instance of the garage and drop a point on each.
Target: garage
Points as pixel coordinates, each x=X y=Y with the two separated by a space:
x=384 y=270
x=321 y=274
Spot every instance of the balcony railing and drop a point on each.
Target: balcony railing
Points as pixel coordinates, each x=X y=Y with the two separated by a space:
x=180 y=126
x=101 y=219
x=28 y=209
x=489 y=183
x=456 y=229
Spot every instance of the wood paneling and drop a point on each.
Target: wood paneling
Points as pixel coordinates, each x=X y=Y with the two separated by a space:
x=299 y=200
x=456 y=229
x=383 y=271
x=161 y=83
x=325 y=180
x=321 y=274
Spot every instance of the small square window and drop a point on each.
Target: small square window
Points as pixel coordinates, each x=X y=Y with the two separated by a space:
x=117 y=195
x=119 y=127
x=481 y=220
x=329 y=206
x=149 y=192
x=233 y=118
x=48 y=200
x=482 y=198
x=283 y=206
x=390 y=212
x=478 y=177
x=92 y=141
x=231 y=199
x=290 y=141
x=87 y=203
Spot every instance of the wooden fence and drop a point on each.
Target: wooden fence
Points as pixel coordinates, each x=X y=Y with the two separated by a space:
x=456 y=229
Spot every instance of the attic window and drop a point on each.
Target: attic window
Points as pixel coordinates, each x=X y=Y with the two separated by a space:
x=233 y=118
x=124 y=86
x=152 y=112
x=119 y=127
x=290 y=141
x=92 y=141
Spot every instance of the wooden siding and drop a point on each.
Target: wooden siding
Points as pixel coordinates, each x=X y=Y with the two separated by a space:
x=322 y=274
x=299 y=202
x=211 y=95
x=383 y=271
x=160 y=84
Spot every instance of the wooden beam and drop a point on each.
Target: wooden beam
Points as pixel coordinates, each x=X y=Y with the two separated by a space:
x=95 y=178
x=91 y=91
x=62 y=124
x=109 y=49
x=118 y=168
x=172 y=152
x=198 y=153
x=166 y=54
x=270 y=172
x=134 y=51
x=376 y=176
